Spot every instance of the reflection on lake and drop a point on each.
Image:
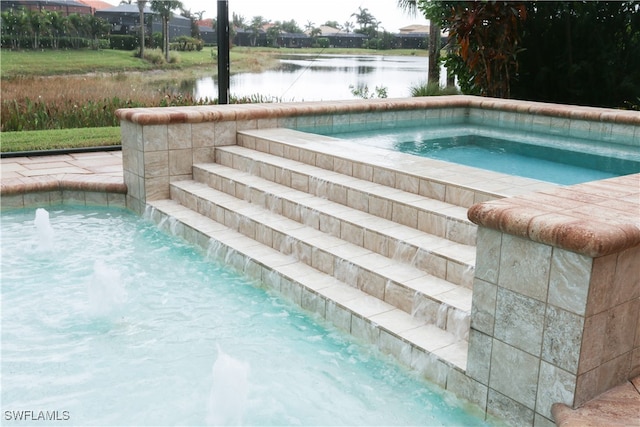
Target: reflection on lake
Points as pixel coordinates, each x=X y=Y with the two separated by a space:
x=325 y=77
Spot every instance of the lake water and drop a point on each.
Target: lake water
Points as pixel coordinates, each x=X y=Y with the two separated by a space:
x=314 y=77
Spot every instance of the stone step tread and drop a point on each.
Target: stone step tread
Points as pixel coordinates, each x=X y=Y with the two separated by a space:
x=372 y=188
x=378 y=313
x=459 y=252
x=407 y=276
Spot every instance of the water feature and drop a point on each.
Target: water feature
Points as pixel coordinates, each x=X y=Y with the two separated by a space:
x=326 y=77
x=192 y=343
x=105 y=290
x=229 y=390
x=44 y=230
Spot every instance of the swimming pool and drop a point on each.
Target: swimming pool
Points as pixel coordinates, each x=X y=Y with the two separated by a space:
x=109 y=321
x=552 y=158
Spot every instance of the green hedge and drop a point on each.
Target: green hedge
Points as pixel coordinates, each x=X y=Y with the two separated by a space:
x=48 y=42
x=123 y=42
x=186 y=44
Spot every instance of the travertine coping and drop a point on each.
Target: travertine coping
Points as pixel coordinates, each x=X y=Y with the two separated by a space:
x=595 y=218
x=214 y=113
x=67 y=182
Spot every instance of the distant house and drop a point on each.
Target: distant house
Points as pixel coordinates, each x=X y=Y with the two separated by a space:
x=96 y=5
x=412 y=40
x=415 y=28
x=352 y=40
x=208 y=34
x=416 y=37
x=125 y=19
x=250 y=38
x=326 y=30
x=64 y=7
x=293 y=40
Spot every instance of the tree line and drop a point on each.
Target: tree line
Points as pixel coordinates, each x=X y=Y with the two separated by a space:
x=29 y=29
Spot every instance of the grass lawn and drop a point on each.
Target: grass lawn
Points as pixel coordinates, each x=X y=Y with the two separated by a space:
x=52 y=62
x=59 y=138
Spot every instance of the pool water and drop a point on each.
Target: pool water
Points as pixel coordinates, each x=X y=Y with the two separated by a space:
x=113 y=322
x=556 y=159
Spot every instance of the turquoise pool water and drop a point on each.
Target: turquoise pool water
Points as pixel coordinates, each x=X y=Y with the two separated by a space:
x=108 y=321
x=552 y=158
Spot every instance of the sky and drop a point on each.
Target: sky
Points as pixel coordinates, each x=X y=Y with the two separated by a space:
x=391 y=17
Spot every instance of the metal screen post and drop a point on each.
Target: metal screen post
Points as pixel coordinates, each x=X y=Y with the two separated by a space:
x=223 y=51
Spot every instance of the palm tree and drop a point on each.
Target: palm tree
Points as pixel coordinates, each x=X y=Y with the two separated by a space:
x=363 y=18
x=97 y=28
x=256 y=25
x=309 y=26
x=141 y=6
x=13 y=26
x=39 y=23
x=411 y=7
x=272 y=35
x=59 y=24
x=165 y=8
x=239 y=21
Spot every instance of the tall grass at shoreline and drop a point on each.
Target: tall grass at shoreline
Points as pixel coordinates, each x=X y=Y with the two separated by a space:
x=39 y=103
x=42 y=103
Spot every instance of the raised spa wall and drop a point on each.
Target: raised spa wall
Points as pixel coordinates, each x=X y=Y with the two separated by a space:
x=556 y=296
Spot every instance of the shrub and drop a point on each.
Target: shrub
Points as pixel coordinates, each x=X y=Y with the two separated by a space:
x=156 y=39
x=432 y=89
x=322 y=42
x=123 y=42
x=364 y=93
x=187 y=44
x=373 y=43
x=174 y=58
x=154 y=56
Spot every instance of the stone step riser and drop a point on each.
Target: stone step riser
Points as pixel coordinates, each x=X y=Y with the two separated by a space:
x=436 y=264
x=456 y=229
x=428 y=349
x=421 y=306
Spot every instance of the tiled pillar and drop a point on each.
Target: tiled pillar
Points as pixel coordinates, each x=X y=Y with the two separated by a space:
x=156 y=154
x=549 y=324
x=146 y=163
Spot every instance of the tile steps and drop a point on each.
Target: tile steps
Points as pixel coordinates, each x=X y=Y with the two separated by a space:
x=414 y=342
x=440 y=257
x=438 y=180
x=433 y=216
x=413 y=290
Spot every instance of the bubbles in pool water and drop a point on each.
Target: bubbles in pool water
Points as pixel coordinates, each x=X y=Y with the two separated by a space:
x=229 y=389
x=105 y=290
x=44 y=230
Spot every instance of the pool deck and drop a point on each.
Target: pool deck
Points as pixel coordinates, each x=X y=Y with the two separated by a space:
x=619 y=406
x=102 y=164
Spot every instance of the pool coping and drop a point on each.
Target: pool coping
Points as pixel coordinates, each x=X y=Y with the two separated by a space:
x=236 y=112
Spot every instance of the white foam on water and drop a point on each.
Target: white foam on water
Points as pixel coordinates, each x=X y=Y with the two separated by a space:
x=229 y=390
